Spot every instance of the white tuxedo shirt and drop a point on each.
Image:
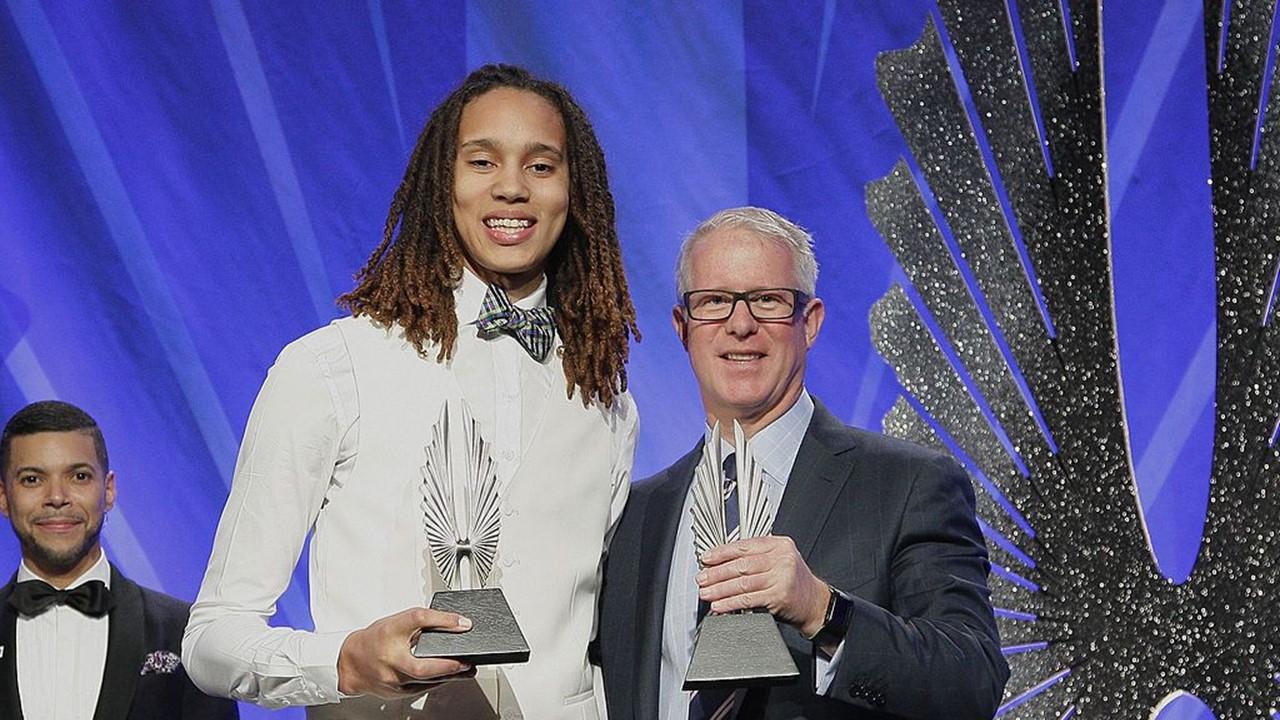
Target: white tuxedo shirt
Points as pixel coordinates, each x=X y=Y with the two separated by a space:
x=334 y=447
x=61 y=654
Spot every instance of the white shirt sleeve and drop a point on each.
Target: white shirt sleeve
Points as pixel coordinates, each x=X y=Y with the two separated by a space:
x=624 y=451
x=300 y=432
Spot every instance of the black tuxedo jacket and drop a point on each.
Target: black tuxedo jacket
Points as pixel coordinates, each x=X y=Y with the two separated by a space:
x=887 y=521
x=142 y=622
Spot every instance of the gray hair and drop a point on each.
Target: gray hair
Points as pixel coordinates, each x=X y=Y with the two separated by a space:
x=766 y=224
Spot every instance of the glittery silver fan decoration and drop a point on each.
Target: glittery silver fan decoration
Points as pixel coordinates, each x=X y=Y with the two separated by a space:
x=755 y=512
x=460 y=510
x=1088 y=624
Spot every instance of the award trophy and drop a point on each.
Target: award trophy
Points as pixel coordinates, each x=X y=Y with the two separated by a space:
x=737 y=649
x=461 y=515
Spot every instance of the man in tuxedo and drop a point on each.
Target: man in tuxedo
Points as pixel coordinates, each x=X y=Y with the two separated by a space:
x=78 y=640
x=875 y=570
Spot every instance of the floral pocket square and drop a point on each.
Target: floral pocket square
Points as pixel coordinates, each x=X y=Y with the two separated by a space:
x=160 y=662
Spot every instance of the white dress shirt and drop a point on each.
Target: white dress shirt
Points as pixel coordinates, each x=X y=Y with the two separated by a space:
x=775 y=448
x=300 y=453
x=61 y=654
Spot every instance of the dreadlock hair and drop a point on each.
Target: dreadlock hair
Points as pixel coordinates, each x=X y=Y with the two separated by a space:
x=410 y=278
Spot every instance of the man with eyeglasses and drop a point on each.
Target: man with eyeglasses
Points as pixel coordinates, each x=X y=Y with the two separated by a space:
x=875 y=570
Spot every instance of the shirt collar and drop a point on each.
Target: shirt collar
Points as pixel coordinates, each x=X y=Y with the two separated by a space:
x=469 y=296
x=776 y=445
x=100 y=570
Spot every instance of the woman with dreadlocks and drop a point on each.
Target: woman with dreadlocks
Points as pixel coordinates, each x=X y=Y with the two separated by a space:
x=488 y=335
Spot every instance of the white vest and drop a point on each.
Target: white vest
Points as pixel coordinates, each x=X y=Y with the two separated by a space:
x=555 y=512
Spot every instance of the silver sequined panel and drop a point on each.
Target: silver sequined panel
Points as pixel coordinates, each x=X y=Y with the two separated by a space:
x=1090 y=627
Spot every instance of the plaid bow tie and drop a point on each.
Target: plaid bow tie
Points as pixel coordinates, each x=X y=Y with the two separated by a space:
x=33 y=597
x=534 y=329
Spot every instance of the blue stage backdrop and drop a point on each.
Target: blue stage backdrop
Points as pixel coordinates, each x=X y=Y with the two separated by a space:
x=186 y=186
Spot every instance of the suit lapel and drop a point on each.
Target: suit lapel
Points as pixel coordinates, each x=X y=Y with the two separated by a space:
x=10 y=701
x=821 y=469
x=124 y=650
x=662 y=520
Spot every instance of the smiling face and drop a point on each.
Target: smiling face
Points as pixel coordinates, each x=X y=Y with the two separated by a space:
x=510 y=187
x=747 y=370
x=55 y=493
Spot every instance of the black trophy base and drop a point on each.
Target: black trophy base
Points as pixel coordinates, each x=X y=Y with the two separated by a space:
x=494 y=637
x=739 y=650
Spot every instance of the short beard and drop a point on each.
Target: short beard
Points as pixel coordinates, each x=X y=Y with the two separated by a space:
x=53 y=561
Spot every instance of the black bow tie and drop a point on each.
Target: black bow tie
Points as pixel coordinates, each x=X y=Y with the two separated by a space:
x=35 y=596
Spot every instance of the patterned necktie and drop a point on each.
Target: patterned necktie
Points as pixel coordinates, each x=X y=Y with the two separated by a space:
x=534 y=329
x=729 y=494
x=717 y=703
x=731 y=530
x=712 y=704
x=33 y=597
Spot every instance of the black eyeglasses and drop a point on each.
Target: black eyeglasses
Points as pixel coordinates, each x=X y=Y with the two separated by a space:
x=764 y=304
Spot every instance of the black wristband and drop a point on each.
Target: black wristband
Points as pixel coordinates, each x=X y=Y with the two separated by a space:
x=835 y=623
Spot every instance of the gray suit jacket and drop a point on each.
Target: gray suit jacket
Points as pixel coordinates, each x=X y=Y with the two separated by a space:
x=887 y=521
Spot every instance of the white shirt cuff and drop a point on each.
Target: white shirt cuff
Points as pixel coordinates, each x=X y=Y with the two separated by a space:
x=826 y=671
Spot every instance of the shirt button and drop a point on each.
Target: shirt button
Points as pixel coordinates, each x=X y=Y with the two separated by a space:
x=508 y=455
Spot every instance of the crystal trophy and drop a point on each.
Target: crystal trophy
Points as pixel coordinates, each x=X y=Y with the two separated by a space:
x=462 y=519
x=736 y=649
